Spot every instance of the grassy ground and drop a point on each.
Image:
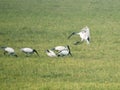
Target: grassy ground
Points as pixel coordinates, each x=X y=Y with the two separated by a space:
x=43 y=24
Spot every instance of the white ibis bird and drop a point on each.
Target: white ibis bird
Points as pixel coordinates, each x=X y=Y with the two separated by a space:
x=9 y=51
x=60 y=48
x=84 y=35
x=50 y=53
x=29 y=51
x=65 y=52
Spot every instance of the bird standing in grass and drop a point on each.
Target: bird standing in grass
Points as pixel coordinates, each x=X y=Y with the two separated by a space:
x=84 y=35
x=9 y=51
x=29 y=51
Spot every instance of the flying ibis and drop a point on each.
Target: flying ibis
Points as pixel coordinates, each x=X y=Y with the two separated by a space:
x=84 y=35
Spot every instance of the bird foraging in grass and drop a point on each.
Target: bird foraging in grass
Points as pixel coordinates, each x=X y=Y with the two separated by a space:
x=84 y=35
x=9 y=51
x=59 y=51
x=29 y=51
x=65 y=52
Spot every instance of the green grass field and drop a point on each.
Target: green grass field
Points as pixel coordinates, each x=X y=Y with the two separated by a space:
x=43 y=24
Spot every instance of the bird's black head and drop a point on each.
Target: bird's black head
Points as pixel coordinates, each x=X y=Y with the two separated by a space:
x=77 y=42
x=73 y=33
x=47 y=50
x=3 y=47
x=35 y=51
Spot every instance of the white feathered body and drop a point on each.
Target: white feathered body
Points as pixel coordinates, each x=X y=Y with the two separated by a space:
x=51 y=53
x=63 y=53
x=60 y=48
x=27 y=50
x=85 y=34
x=9 y=50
